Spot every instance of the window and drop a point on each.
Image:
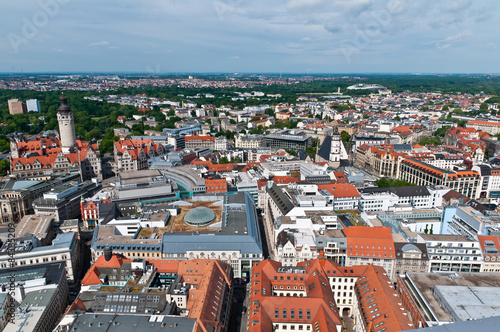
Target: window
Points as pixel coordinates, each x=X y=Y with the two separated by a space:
x=284 y=313
x=292 y=314
x=308 y=314
x=300 y=314
x=276 y=313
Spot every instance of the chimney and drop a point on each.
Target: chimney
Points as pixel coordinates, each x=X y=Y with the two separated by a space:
x=108 y=253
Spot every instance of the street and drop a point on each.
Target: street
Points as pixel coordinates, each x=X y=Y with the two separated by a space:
x=241 y=303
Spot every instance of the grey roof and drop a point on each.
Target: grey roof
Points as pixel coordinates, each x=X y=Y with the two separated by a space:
x=402 y=147
x=40 y=298
x=326 y=146
x=50 y=271
x=62 y=241
x=205 y=242
x=485 y=324
x=410 y=191
x=302 y=155
x=409 y=246
x=280 y=199
x=238 y=230
x=23 y=184
x=101 y=322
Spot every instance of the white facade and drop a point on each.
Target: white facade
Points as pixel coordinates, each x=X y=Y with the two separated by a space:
x=452 y=253
x=58 y=251
x=220 y=143
x=33 y=105
x=248 y=141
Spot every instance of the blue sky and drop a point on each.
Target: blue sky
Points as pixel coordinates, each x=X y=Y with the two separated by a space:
x=292 y=36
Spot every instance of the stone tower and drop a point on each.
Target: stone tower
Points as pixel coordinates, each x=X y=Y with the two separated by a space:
x=66 y=126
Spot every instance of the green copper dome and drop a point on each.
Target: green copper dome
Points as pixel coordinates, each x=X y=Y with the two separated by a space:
x=200 y=216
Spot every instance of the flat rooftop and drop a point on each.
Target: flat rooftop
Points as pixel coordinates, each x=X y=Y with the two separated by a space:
x=35 y=224
x=101 y=322
x=466 y=303
x=135 y=177
x=425 y=282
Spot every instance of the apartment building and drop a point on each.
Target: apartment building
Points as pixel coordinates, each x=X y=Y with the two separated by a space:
x=490 y=247
x=133 y=155
x=371 y=245
x=492 y=128
x=422 y=174
x=321 y=295
x=452 y=253
x=242 y=141
x=387 y=199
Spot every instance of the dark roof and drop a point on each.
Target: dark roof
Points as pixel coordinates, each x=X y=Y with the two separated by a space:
x=283 y=203
x=482 y=324
x=326 y=146
x=107 y=211
x=401 y=247
x=283 y=238
x=485 y=170
x=454 y=194
x=481 y=207
x=302 y=155
x=402 y=147
x=63 y=107
x=409 y=191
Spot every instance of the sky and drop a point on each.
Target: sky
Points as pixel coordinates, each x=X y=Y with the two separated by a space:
x=250 y=36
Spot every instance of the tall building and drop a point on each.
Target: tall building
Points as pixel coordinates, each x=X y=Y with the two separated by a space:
x=66 y=126
x=288 y=139
x=33 y=105
x=16 y=106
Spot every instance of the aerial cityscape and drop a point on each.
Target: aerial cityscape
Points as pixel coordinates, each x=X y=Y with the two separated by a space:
x=223 y=166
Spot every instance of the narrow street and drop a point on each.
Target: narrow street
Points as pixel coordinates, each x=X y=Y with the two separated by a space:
x=241 y=303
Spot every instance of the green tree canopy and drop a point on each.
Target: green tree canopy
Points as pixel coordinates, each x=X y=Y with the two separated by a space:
x=386 y=182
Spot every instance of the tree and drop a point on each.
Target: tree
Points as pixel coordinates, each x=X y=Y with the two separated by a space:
x=483 y=106
x=224 y=160
x=434 y=140
x=311 y=150
x=426 y=230
x=344 y=135
x=385 y=183
x=193 y=113
x=4 y=145
x=397 y=118
x=270 y=111
x=441 y=132
x=4 y=167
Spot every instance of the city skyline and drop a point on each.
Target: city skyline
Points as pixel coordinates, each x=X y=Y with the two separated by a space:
x=296 y=36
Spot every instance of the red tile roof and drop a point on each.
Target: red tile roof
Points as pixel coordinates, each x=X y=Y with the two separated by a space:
x=340 y=190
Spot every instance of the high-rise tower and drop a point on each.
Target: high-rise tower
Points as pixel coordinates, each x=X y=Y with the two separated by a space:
x=66 y=126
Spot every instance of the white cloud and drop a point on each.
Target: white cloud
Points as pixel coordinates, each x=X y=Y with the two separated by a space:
x=101 y=43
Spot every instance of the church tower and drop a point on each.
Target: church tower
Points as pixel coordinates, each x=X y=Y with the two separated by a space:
x=66 y=126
